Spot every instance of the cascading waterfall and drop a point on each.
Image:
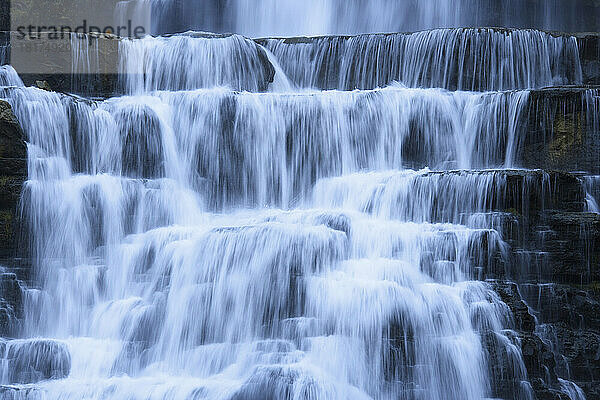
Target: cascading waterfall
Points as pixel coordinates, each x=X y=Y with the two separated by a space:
x=456 y=59
x=592 y=186
x=210 y=60
x=227 y=230
x=9 y=77
x=131 y=181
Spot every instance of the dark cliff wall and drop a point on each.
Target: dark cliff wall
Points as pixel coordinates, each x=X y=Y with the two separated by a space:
x=13 y=172
x=561 y=130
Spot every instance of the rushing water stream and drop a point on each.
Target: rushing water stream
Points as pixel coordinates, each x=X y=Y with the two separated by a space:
x=212 y=235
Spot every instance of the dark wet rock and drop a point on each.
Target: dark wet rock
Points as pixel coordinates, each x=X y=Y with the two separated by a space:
x=11 y=134
x=543 y=392
x=142 y=155
x=539 y=356
x=509 y=294
x=576 y=306
x=589 y=54
x=548 y=241
x=11 y=304
x=93 y=85
x=577 y=354
x=502 y=366
x=44 y=85
x=581 y=349
x=30 y=361
x=527 y=192
x=567 y=346
x=539 y=216
x=539 y=359
x=560 y=130
x=574 y=247
x=13 y=172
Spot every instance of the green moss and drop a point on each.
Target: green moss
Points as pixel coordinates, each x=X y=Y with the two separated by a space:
x=568 y=136
x=6 y=225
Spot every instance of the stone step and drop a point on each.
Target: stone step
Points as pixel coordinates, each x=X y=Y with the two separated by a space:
x=478 y=198
x=478 y=59
x=95 y=65
x=472 y=59
x=556 y=246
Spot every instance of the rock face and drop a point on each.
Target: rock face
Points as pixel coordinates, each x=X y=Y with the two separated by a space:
x=554 y=258
x=538 y=356
x=589 y=53
x=11 y=305
x=13 y=172
x=561 y=130
x=566 y=344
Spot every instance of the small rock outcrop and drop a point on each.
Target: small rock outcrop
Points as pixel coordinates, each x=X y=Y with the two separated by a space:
x=11 y=305
x=13 y=172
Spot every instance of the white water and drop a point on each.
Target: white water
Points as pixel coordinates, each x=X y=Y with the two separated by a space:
x=198 y=239
x=319 y=17
x=463 y=59
x=194 y=61
x=9 y=77
x=145 y=280
x=479 y=60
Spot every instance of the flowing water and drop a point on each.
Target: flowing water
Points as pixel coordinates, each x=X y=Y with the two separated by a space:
x=227 y=230
x=471 y=59
x=322 y=17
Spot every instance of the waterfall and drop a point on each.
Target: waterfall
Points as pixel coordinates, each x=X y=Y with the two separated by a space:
x=321 y=17
x=293 y=218
x=9 y=77
x=194 y=61
x=456 y=59
x=134 y=182
x=592 y=186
